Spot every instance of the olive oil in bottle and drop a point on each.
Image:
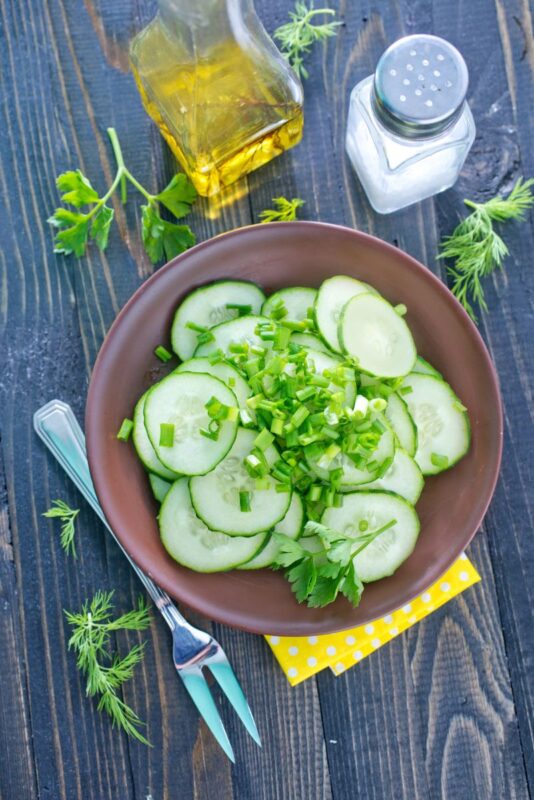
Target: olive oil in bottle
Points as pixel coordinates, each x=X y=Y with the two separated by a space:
x=221 y=94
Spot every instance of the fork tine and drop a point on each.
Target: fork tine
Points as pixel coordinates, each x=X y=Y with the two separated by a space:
x=225 y=677
x=200 y=694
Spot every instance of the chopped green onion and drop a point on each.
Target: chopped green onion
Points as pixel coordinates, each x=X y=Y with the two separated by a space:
x=244 y=501
x=314 y=493
x=281 y=338
x=363 y=525
x=236 y=347
x=197 y=328
x=166 y=434
x=372 y=466
x=125 y=430
x=282 y=487
x=232 y=413
x=378 y=426
x=245 y=418
x=162 y=353
x=319 y=380
x=277 y=426
x=214 y=435
x=306 y=393
x=458 y=405
x=262 y=484
x=242 y=310
x=299 y=416
x=231 y=382
x=400 y=309
x=204 y=338
x=328 y=456
x=405 y=390
x=264 y=439
x=377 y=404
x=439 y=461
x=216 y=356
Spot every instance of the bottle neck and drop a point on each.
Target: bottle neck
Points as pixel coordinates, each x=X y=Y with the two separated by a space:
x=201 y=17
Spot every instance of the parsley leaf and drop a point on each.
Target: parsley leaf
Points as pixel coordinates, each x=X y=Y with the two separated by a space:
x=178 y=196
x=77 y=191
x=72 y=233
x=101 y=225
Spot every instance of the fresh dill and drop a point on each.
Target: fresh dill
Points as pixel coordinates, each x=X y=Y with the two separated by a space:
x=67 y=516
x=298 y=36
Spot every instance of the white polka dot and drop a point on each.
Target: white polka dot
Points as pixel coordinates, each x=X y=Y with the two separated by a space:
x=448 y=84
x=331 y=650
x=412 y=619
x=463 y=576
x=418 y=92
x=376 y=642
x=357 y=655
x=463 y=557
x=402 y=98
x=293 y=650
x=445 y=586
x=407 y=608
x=292 y=672
x=339 y=667
x=369 y=628
x=350 y=640
x=406 y=81
x=312 y=639
x=393 y=631
x=440 y=57
x=425 y=597
x=388 y=619
x=413 y=52
x=312 y=661
x=429 y=103
x=420 y=77
x=393 y=72
x=433 y=87
x=436 y=73
x=425 y=62
x=409 y=67
x=275 y=640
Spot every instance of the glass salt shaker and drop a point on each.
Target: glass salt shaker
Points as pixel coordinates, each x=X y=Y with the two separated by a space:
x=409 y=127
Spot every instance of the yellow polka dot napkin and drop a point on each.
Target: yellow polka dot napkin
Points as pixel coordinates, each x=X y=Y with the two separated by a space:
x=303 y=656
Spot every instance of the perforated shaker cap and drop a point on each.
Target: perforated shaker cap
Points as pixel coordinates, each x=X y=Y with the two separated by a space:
x=420 y=86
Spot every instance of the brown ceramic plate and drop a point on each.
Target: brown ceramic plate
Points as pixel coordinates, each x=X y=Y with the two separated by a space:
x=282 y=254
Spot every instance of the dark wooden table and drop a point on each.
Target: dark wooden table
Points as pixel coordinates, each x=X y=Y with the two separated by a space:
x=445 y=710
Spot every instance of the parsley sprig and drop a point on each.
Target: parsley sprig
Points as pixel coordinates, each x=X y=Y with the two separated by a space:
x=477 y=249
x=318 y=576
x=75 y=228
x=298 y=36
x=92 y=627
x=67 y=516
x=284 y=211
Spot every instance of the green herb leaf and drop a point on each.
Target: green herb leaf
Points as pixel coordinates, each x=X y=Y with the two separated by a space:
x=176 y=239
x=72 y=233
x=76 y=188
x=101 y=225
x=285 y=210
x=477 y=249
x=67 y=516
x=91 y=628
x=178 y=196
x=299 y=35
x=152 y=228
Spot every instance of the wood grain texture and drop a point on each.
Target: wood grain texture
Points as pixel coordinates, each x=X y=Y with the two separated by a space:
x=446 y=710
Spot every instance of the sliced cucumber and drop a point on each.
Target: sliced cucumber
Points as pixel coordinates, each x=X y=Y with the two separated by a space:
x=225 y=372
x=403 y=477
x=399 y=418
x=310 y=341
x=390 y=549
x=208 y=306
x=180 y=400
x=216 y=498
x=371 y=332
x=192 y=544
x=443 y=430
x=290 y=526
x=323 y=361
x=143 y=445
x=424 y=368
x=352 y=476
x=332 y=296
x=296 y=299
x=159 y=486
x=237 y=331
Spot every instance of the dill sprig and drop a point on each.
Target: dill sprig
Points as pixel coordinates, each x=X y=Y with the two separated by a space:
x=299 y=35
x=67 y=516
x=285 y=210
x=475 y=246
x=106 y=673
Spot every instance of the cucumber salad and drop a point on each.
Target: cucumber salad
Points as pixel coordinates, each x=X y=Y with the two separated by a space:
x=295 y=434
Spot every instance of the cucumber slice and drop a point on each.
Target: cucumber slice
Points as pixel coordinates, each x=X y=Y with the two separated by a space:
x=388 y=551
x=186 y=539
x=323 y=361
x=180 y=399
x=309 y=341
x=237 y=331
x=297 y=300
x=215 y=496
x=403 y=477
x=371 y=332
x=159 y=486
x=424 y=368
x=291 y=526
x=442 y=425
x=143 y=445
x=225 y=372
x=207 y=306
x=332 y=296
x=399 y=418
x=352 y=476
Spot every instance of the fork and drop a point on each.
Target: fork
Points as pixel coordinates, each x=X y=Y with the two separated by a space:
x=192 y=649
